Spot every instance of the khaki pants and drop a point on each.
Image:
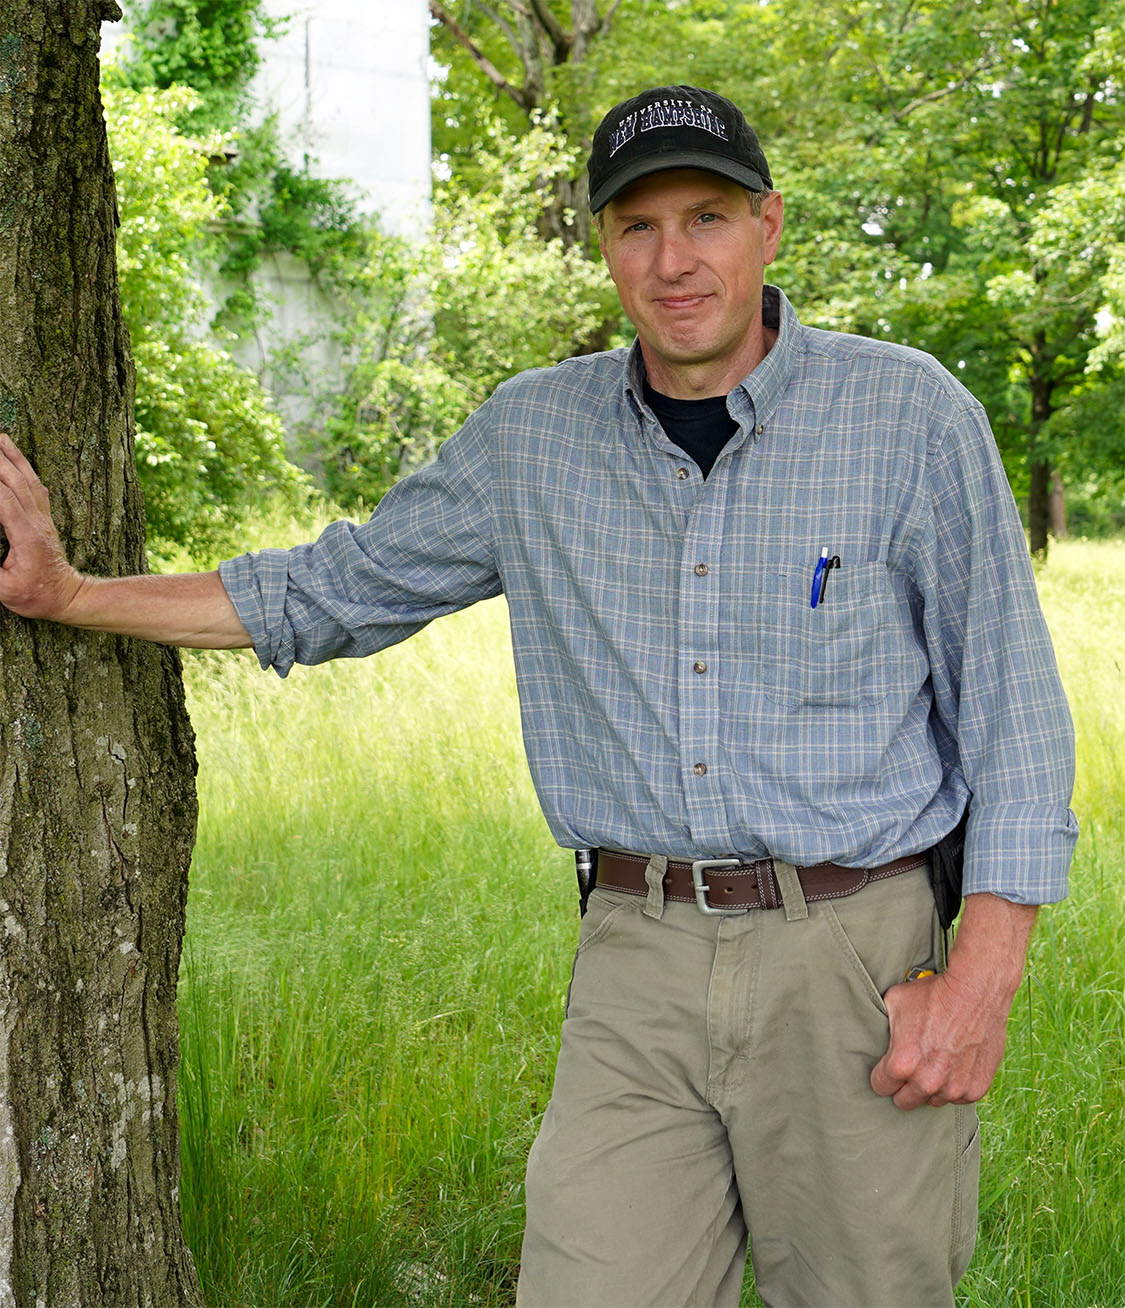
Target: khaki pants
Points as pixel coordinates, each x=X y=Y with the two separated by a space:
x=713 y=1080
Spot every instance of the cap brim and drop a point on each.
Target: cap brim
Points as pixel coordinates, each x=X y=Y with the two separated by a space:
x=745 y=176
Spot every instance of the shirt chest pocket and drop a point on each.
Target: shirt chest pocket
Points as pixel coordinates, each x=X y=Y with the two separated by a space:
x=850 y=651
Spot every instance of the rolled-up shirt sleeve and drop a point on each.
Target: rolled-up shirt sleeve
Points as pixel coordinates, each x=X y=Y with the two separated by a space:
x=999 y=699
x=427 y=550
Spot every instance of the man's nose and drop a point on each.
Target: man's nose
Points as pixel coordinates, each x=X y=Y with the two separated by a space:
x=675 y=256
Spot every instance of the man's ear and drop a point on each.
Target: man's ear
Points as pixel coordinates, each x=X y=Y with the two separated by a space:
x=773 y=220
x=605 y=254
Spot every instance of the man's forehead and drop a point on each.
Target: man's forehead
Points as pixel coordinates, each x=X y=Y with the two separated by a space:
x=690 y=187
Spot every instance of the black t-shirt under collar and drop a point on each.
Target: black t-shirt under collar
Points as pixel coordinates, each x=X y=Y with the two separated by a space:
x=701 y=428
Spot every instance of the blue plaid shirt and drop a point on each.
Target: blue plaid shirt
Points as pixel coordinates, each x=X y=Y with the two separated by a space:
x=679 y=693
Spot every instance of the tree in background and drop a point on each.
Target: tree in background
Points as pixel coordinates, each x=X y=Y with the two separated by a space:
x=916 y=179
x=97 y=801
x=922 y=147
x=561 y=63
x=212 y=46
x=955 y=127
x=538 y=47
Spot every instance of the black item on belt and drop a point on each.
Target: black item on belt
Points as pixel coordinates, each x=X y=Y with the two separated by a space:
x=947 y=867
x=586 y=866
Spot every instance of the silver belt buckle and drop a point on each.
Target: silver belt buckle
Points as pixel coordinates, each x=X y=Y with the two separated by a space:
x=698 y=867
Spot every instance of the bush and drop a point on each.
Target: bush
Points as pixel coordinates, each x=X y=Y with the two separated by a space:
x=209 y=445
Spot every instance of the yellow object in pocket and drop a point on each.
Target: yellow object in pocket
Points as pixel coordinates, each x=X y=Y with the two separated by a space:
x=917 y=973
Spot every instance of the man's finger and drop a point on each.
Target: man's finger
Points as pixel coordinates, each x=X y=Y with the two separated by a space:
x=17 y=474
x=25 y=473
x=882 y=1082
x=13 y=514
x=907 y=1094
x=904 y=1074
x=13 y=451
x=23 y=497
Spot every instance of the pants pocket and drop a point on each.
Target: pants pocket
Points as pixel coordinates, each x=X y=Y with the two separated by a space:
x=884 y=931
x=601 y=912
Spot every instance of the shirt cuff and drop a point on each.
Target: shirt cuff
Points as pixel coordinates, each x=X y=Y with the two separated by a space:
x=257 y=585
x=1020 y=851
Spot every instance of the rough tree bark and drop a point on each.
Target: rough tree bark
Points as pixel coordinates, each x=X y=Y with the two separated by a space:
x=97 y=801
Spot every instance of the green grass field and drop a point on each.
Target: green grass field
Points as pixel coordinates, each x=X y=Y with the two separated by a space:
x=379 y=941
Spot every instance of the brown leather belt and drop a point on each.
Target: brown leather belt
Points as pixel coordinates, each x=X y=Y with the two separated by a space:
x=725 y=885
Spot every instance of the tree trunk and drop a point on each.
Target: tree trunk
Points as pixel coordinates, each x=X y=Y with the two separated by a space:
x=1039 y=507
x=97 y=799
x=1058 y=508
x=1039 y=491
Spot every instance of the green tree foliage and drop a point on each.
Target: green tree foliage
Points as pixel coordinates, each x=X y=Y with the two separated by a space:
x=210 y=45
x=939 y=160
x=209 y=447
x=955 y=126
x=562 y=62
x=434 y=326
x=1078 y=238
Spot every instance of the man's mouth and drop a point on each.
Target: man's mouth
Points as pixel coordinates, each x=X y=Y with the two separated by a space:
x=680 y=302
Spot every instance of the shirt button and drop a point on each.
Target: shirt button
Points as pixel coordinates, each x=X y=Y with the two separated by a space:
x=700 y=769
x=699 y=666
x=701 y=569
x=682 y=474
x=759 y=429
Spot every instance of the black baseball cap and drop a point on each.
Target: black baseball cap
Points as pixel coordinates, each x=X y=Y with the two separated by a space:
x=673 y=127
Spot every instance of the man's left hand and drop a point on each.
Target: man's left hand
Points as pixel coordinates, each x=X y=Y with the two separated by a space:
x=948 y=1031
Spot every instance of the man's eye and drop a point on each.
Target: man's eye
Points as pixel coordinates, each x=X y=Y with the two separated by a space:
x=708 y=218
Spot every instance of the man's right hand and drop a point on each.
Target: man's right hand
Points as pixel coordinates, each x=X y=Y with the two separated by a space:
x=36 y=581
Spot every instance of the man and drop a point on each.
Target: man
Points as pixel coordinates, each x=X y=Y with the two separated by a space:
x=775 y=629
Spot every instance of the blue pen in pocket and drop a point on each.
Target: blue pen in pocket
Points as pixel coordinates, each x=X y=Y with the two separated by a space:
x=824 y=566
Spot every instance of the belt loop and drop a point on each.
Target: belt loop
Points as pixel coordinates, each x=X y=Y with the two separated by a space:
x=654 y=878
x=792 y=896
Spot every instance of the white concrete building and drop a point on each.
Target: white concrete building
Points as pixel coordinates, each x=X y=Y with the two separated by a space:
x=349 y=83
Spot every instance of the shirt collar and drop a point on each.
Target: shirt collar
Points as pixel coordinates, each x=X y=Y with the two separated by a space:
x=766 y=385
x=763 y=387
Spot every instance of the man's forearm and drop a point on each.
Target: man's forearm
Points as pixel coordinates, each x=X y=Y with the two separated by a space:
x=37 y=581
x=191 y=609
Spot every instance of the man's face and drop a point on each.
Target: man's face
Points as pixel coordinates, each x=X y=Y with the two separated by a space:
x=688 y=259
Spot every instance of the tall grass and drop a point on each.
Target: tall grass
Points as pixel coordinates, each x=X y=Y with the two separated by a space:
x=380 y=935
x=1053 y=1193
x=378 y=932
